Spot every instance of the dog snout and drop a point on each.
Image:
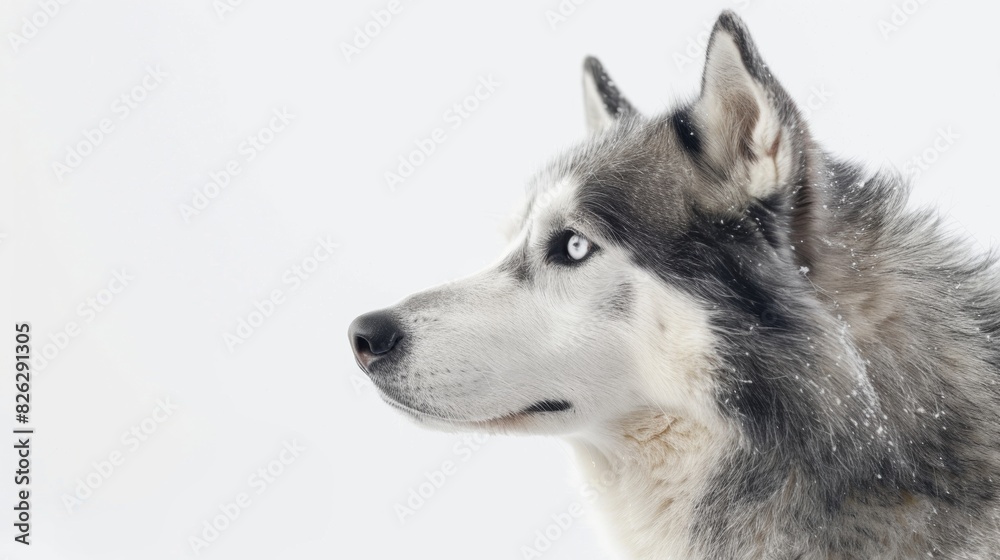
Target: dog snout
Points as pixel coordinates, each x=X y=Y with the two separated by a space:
x=373 y=336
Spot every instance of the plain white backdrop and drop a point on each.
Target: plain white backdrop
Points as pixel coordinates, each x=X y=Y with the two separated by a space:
x=886 y=81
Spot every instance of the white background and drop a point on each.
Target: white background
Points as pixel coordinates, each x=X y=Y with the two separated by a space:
x=161 y=337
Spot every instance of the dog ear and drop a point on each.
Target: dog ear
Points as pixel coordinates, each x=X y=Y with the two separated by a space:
x=750 y=128
x=602 y=101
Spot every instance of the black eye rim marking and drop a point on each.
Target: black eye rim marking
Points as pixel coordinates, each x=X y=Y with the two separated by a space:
x=558 y=248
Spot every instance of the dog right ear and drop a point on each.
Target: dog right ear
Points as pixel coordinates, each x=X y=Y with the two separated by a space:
x=602 y=101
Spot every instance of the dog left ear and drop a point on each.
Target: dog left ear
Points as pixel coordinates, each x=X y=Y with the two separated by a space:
x=749 y=125
x=602 y=101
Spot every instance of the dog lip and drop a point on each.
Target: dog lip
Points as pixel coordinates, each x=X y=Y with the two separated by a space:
x=394 y=400
x=547 y=406
x=540 y=407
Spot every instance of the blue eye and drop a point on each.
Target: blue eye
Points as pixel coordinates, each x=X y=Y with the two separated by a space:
x=569 y=248
x=578 y=247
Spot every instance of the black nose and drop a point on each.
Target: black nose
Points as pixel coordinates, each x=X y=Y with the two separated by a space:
x=373 y=335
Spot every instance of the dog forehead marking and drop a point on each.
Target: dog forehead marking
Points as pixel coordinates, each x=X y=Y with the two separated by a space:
x=552 y=201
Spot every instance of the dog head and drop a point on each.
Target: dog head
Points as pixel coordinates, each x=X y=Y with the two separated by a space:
x=629 y=250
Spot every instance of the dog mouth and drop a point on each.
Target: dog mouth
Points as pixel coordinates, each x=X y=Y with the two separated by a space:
x=540 y=408
x=547 y=406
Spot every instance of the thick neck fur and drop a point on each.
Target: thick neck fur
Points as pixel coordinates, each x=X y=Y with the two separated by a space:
x=648 y=472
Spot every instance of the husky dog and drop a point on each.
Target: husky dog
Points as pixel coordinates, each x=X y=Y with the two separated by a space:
x=755 y=349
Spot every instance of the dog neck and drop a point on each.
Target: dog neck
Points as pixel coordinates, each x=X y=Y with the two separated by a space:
x=645 y=474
